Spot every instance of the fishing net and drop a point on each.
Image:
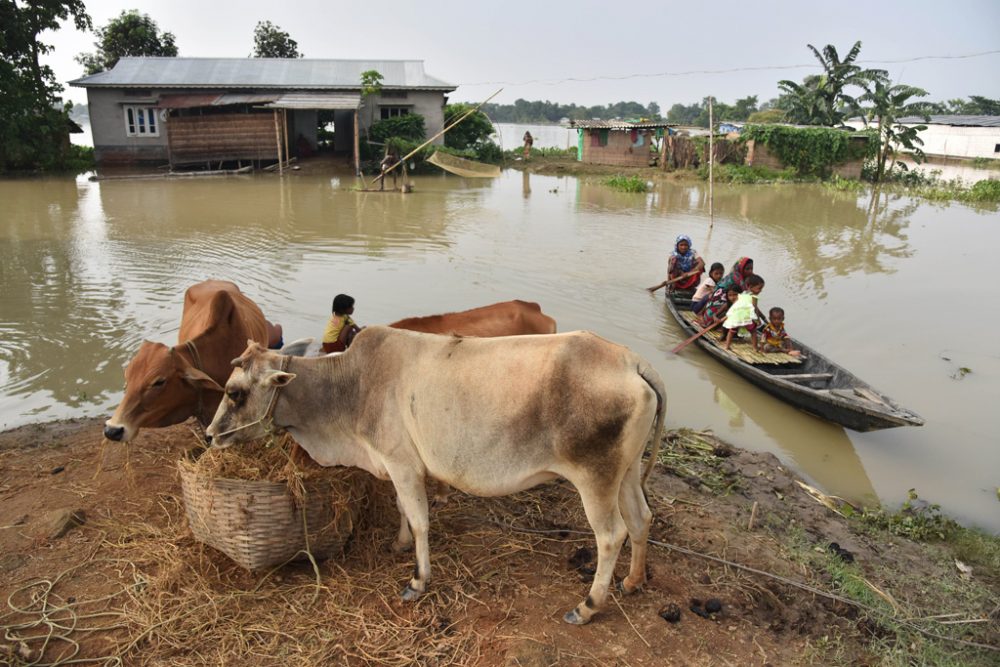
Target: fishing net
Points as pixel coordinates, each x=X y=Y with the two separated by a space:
x=462 y=167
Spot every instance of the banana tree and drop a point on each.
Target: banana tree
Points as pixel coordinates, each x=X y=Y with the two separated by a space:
x=820 y=98
x=889 y=103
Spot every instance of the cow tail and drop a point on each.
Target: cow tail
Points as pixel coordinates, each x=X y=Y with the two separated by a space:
x=655 y=382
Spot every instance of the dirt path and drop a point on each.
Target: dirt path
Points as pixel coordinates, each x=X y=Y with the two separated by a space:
x=132 y=582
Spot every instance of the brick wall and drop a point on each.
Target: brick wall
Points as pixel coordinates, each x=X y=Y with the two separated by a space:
x=620 y=150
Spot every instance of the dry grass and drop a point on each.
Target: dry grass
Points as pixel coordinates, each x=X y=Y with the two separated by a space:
x=172 y=600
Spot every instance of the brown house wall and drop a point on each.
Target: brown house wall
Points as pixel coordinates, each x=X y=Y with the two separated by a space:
x=222 y=137
x=619 y=151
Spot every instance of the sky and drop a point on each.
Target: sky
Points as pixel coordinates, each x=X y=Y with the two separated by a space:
x=593 y=52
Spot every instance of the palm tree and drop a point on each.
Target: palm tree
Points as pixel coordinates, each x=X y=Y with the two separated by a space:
x=820 y=98
x=889 y=103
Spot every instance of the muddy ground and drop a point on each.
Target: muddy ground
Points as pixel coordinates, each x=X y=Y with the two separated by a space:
x=126 y=580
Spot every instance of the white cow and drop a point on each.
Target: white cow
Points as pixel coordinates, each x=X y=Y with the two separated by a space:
x=488 y=416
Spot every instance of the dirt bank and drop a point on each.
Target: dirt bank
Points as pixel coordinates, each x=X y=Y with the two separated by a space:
x=95 y=549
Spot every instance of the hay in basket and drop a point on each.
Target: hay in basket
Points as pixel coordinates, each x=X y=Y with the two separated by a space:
x=265 y=505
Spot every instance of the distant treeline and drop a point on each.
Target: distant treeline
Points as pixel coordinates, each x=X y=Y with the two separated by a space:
x=523 y=111
x=745 y=109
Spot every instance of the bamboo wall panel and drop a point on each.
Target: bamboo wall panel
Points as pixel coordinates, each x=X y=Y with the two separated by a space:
x=222 y=137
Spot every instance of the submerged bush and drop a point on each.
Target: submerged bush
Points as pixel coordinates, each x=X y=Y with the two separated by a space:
x=742 y=174
x=627 y=183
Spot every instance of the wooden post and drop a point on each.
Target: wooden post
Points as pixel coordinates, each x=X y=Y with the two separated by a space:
x=357 y=145
x=711 y=161
x=277 y=142
x=284 y=118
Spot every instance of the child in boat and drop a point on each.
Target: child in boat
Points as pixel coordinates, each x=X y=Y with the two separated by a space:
x=743 y=313
x=707 y=286
x=341 y=329
x=720 y=301
x=684 y=267
x=775 y=337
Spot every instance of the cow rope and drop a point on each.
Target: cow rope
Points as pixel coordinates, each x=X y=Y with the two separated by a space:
x=270 y=405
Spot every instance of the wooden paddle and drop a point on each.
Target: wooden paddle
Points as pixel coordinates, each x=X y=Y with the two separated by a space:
x=697 y=336
x=673 y=280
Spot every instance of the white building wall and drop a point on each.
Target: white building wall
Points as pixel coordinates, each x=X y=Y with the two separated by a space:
x=956 y=141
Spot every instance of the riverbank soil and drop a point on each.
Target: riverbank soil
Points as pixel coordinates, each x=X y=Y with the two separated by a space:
x=96 y=555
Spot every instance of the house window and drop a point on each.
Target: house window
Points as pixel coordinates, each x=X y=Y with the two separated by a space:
x=996 y=149
x=393 y=112
x=141 y=122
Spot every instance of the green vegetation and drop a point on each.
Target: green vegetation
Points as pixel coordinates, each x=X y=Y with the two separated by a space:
x=811 y=151
x=550 y=152
x=697 y=457
x=981 y=192
x=472 y=134
x=821 y=99
x=697 y=114
x=524 y=111
x=627 y=183
x=985 y=163
x=130 y=34
x=410 y=127
x=34 y=124
x=889 y=104
x=744 y=175
x=270 y=41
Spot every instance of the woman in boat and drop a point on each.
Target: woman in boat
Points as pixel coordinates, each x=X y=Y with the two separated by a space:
x=684 y=268
x=742 y=269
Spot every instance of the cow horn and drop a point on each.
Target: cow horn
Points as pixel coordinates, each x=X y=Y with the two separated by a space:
x=237 y=362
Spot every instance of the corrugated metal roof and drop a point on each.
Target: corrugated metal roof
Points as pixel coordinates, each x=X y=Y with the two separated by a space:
x=952 y=119
x=617 y=125
x=316 y=101
x=301 y=73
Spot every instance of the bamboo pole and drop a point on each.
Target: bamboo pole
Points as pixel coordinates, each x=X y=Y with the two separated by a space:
x=284 y=119
x=277 y=142
x=421 y=146
x=357 y=146
x=711 y=163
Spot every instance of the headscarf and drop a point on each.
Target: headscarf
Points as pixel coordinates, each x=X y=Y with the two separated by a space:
x=686 y=261
x=736 y=276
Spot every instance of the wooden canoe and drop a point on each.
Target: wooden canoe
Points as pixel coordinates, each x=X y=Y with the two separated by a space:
x=812 y=383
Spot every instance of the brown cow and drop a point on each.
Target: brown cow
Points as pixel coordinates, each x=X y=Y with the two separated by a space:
x=489 y=416
x=508 y=318
x=166 y=385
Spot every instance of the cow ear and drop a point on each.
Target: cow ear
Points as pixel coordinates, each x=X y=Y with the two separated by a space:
x=279 y=378
x=199 y=379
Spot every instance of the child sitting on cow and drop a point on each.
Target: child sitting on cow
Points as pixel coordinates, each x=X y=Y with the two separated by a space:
x=341 y=329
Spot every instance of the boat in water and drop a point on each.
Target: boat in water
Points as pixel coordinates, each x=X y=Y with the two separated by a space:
x=811 y=382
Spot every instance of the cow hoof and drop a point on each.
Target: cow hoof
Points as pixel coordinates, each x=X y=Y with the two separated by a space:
x=624 y=589
x=410 y=594
x=574 y=618
x=401 y=547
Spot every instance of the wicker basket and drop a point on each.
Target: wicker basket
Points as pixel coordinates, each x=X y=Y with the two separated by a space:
x=259 y=524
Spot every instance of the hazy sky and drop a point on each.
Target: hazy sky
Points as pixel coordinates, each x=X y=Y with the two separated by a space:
x=581 y=51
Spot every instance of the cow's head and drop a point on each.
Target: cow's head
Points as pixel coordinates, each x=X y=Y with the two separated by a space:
x=161 y=388
x=251 y=392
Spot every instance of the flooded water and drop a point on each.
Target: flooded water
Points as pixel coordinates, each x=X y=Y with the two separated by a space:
x=897 y=292
x=511 y=135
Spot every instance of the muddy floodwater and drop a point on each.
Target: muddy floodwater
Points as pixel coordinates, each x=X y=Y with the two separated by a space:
x=899 y=291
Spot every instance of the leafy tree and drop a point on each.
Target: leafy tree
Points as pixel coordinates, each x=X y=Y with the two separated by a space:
x=371 y=84
x=270 y=41
x=33 y=126
x=409 y=127
x=471 y=132
x=889 y=103
x=130 y=34
x=767 y=116
x=821 y=98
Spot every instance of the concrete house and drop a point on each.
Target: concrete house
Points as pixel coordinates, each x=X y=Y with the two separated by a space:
x=954 y=136
x=204 y=111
